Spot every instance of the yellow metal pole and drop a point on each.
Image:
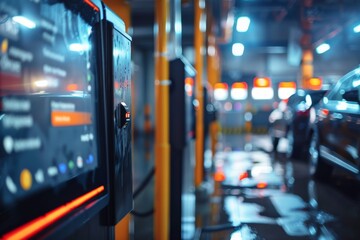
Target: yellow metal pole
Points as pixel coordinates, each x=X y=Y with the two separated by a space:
x=162 y=146
x=122 y=9
x=213 y=73
x=122 y=229
x=199 y=64
x=307 y=68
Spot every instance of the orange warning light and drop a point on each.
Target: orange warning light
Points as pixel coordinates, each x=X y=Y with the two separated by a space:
x=261 y=185
x=219 y=176
x=287 y=85
x=221 y=86
x=315 y=83
x=242 y=85
x=262 y=82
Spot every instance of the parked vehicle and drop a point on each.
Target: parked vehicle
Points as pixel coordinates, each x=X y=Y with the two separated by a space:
x=335 y=133
x=291 y=120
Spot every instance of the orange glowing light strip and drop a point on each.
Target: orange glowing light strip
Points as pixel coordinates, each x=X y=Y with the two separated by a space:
x=38 y=224
x=65 y=119
x=221 y=86
x=262 y=82
x=287 y=85
x=242 y=85
x=91 y=5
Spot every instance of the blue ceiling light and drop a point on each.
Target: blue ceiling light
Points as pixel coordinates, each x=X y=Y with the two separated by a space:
x=322 y=48
x=242 y=24
x=356 y=29
x=237 y=49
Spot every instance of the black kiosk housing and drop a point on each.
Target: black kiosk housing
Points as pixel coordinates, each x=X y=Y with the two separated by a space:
x=117 y=53
x=182 y=132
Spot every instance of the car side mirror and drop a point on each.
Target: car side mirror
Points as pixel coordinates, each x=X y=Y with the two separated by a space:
x=352 y=96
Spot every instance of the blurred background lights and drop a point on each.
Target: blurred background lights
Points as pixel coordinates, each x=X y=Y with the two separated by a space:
x=24 y=21
x=286 y=89
x=322 y=48
x=79 y=47
x=356 y=29
x=239 y=91
x=221 y=91
x=242 y=24
x=237 y=49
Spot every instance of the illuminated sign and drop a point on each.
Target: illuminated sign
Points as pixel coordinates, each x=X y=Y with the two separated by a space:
x=239 y=91
x=262 y=89
x=221 y=91
x=286 y=89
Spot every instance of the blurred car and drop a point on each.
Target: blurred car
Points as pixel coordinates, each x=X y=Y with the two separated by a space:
x=335 y=133
x=291 y=120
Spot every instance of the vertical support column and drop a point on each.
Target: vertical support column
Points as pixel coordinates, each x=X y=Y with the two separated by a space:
x=307 y=68
x=162 y=146
x=122 y=229
x=199 y=6
x=123 y=10
x=213 y=73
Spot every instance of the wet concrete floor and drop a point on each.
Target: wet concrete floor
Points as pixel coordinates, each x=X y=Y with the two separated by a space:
x=263 y=195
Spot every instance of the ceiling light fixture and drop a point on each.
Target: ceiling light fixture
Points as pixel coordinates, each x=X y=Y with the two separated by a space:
x=237 y=49
x=356 y=29
x=322 y=48
x=242 y=24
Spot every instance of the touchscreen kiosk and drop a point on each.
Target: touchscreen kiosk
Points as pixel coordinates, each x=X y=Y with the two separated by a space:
x=50 y=161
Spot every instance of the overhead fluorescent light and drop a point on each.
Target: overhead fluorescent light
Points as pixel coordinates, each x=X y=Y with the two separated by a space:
x=24 y=21
x=237 y=49
x=242 y=24
x=322 y=48
x=356 y=29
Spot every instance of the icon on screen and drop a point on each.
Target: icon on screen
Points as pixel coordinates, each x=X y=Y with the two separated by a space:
x=52 y=171
x=62 y=168
x=79 y=162
x=39 y=176
x=90 y=159
x=11 y=185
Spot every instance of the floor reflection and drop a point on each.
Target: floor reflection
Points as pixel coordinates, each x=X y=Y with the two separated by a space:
x=278 y=203
x=263 y=196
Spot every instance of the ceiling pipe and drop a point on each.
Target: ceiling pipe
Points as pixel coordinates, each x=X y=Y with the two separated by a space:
x=227 y=20
x=284 y=11
x=328 y=36
x=336 y=27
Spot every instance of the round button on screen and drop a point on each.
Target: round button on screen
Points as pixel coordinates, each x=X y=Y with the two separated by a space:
x=25 y=179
